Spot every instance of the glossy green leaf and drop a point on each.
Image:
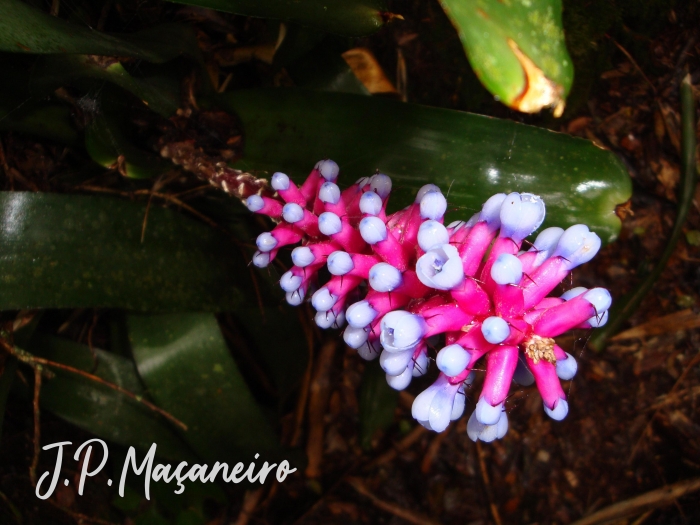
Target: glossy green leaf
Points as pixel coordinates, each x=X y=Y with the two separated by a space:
x=517 y=49
x=377 y=402
x=470 y=157
x=102 y=410
x=346 y=17
x=66 y=251
x=107 y=144
x=188 y=370
x=25 y=29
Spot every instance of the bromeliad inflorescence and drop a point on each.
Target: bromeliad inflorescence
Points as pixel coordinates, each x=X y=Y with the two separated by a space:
x=469 y=281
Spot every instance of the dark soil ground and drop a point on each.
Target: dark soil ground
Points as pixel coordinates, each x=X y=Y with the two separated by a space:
x=633 y=426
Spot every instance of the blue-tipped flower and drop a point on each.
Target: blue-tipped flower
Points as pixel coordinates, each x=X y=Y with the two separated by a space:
x=507 y=269
x=433 y=205
x=266 y=242
x=521 y=214
x=302 y=256
x=329 y=223
x=383 y=277
x=452 y=360
x=428 y=188
x=380 y=184
x=401 y=330
x=566 y=368
x=373 y=230
x=323 y=300
x=329 y=193
x=292 y=212
x=560 y=410
x=370 y=203
x=441 y=268
x=290 y=282
x=261 y=259
x=477 y=431
x=254 y=203
x=577 y=245
x=339 y=263
x=360 y=314
x=491 y=212
x=545 y=244
x=487 y=414
x=431 y=234
x=495 y=330
x=280 y=181
x=355 y=337
x=329 y=170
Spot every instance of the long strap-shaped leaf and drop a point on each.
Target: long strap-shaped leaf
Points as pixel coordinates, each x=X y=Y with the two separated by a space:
x=100 y=409
x=344 y=17
x=69 y=251
x=471 y=157
x=25 y=29
x=184 y=362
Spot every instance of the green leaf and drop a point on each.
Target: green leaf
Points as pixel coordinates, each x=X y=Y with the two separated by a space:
x=74 y=251
x=25 y=29
x=188 y=369
x=470 y=157
x=99 y=409
x=377 y=402
x=107 y=144
x=346 y=17
x=47 y=120
x=54 y=71
x=517 y=49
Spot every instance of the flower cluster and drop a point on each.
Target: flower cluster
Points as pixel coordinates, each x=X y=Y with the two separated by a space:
x=469 y=282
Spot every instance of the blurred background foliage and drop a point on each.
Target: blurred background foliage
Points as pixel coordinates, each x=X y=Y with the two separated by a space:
x=124 y=267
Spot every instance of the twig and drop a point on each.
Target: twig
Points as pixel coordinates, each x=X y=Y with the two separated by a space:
x=487 y=485
x=634 y=63
x=413 y=436
x=624 y=308
x=250 y=503
x=433 y=450
x=33 y=361
x=642 y=503
x=305 y=387
x=400 y=512
x=320 y=391
x=37 y=424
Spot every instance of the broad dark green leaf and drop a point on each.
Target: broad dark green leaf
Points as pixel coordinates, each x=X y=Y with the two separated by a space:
x=25 y=29
x=102 y=410
x=188 y=370
x=48 y=120
x=346 y=17
x=54 y=71
x=517 y=49
x=377 y=402
x=470 y=157
x=66 y=251
x=106 y=142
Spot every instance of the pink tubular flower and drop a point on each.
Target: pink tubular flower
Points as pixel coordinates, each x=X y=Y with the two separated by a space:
x=471 y=283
